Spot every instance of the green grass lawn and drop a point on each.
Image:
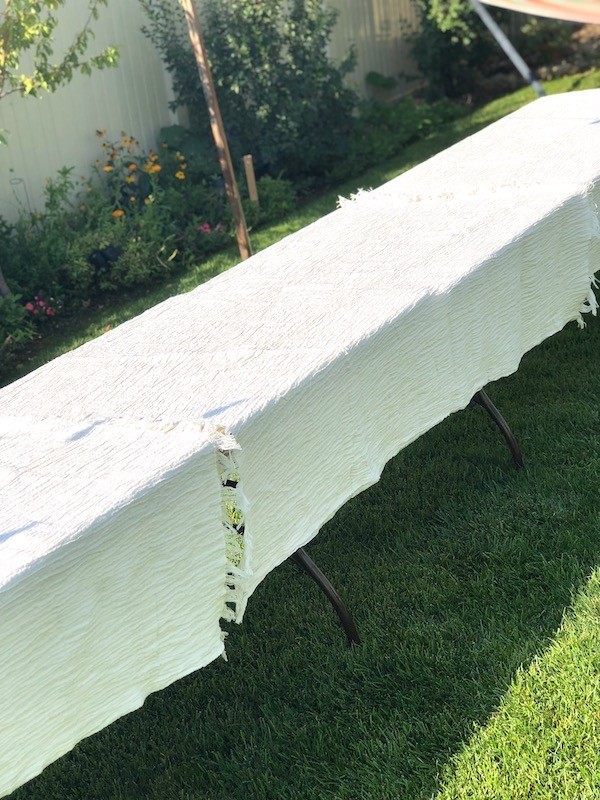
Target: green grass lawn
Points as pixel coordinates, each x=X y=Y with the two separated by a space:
x=475 y=588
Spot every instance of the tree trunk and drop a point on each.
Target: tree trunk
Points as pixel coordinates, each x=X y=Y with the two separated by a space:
x=4 y=290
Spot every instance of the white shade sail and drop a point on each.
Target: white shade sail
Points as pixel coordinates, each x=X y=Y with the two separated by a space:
x=570 y=10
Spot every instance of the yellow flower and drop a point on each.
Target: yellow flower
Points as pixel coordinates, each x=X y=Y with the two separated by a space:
x=180 y=175
x=148 y=200
x=155 y=168
x=183 y=166
x=132 y=199
x=130 y=179
x=107 y=168
x=132 y=167
x=118 y=213
x=127 y=142
x=82 y=207
x=179 y=156
x=165 y=145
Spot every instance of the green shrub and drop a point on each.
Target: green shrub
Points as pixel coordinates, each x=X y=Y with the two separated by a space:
x=544 y=41
x=378 y=81
x=15 y=326
x=450 y=46
x=453 y=49
x=140 y=216
x=199 y=151
x=277 y=199
x=281 y=98
x=384 y=130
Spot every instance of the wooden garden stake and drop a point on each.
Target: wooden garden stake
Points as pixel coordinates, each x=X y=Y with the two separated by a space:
x=216 y=124
x=251 y=179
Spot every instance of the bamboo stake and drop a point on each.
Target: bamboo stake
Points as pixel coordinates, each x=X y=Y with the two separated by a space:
x=251 y=179
x=216 y=124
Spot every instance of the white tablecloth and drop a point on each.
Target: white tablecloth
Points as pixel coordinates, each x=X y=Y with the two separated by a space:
x=301 y=371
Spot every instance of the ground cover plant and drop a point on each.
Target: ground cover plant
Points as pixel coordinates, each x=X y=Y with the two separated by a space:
x=475 y=587
x=141 y=216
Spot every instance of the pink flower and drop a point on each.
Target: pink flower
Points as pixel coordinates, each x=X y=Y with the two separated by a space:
x=29 y=306
x=41 y=304
x=205 y=227
x=50 y=312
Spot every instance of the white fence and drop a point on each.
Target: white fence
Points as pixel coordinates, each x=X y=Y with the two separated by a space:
x=59 y=130
x=378 y=29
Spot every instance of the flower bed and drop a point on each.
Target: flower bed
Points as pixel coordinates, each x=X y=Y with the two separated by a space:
x=140 y=216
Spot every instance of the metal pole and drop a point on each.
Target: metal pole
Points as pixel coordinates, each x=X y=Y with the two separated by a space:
x=216 y=124
x=508 y=47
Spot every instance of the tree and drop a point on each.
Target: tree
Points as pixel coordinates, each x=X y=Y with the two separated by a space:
x=281 y=97
x=27 y=30
x=27 y=27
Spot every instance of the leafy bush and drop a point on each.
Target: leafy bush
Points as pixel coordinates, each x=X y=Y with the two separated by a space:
x=543 y=41
x=281 y=98
x=139 y=217
x=277 y=199
x=15 y=327
x=199 y=151
x=137 y=208
x=383 y=131
x=453 y=49
x=450 y=45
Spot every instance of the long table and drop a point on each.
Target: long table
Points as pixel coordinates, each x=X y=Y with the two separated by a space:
x=269 y=395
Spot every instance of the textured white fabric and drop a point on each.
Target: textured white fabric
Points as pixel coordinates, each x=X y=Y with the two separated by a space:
x=304 y=369
x=112 y=569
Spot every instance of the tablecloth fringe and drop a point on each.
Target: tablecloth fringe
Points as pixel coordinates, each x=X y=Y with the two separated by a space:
x=590 y=304
x=238 y=545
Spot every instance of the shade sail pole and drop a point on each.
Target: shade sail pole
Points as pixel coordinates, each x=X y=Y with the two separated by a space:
x=508 y=47
x=217 y=127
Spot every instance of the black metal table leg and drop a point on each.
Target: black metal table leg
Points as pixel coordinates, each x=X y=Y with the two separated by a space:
x=483 y=400
x=305 y=562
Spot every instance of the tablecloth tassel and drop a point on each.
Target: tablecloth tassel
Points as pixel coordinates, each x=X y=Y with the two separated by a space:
x=590 y=304
x=238 y=544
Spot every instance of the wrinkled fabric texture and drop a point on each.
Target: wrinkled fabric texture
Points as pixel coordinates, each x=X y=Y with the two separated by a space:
x=294 y=378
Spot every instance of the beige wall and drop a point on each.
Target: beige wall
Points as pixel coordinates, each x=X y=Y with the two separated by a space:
x=58 y=130
x=377 y=28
